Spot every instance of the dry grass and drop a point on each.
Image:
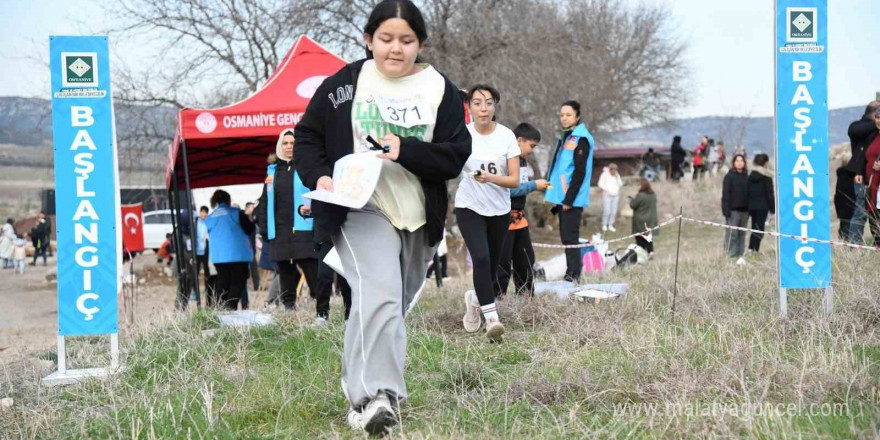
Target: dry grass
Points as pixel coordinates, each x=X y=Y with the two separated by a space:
x=566 y=369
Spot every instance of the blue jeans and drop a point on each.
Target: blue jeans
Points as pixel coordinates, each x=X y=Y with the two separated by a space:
x=857 y=224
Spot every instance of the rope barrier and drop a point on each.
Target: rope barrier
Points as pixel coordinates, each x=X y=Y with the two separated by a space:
x=715 y=224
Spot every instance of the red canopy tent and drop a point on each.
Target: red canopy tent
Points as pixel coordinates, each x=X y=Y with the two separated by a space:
x=229 y=145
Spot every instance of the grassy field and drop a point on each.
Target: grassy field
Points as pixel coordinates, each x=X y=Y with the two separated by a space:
x=724 y=366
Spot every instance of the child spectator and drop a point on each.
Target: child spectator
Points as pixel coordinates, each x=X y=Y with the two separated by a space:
x=19 y=255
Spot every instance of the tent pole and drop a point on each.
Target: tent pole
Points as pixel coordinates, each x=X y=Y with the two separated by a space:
x=193 y=267
x=180 y=302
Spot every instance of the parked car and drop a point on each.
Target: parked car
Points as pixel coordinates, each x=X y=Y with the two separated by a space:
x=156 y=225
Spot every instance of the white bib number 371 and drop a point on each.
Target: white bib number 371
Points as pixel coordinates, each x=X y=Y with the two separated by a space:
x=406 y=112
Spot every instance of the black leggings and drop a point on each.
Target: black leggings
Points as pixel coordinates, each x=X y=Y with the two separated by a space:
x=484 y=237
x=759 y=218
x=231 y=279
x=517 y=250
x=290 y=278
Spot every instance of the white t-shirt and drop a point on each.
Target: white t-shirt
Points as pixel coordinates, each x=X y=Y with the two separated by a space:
x=398 y=193
x=489 y=154
x=610 y=184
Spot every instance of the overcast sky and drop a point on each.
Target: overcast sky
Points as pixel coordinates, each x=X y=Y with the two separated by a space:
x=730 y=56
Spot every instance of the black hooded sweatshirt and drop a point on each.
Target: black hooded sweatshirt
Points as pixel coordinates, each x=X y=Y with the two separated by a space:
x=761 y=196
x=324 y=135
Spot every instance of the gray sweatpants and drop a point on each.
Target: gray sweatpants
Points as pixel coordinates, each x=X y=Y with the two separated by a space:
x=386 y=269
x=735 y=241
x=609 y=209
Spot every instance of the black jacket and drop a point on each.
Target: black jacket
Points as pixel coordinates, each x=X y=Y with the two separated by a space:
x=677 y=153
x=324 y=135
x=861 y=134
x=844 y=194
x=40 y=231
x=735 y=193
x=287 y=245
x=581 y=153
x=761 y=192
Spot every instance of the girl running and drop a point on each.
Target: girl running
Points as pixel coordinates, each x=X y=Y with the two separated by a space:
x=417 y=116
x=482 y=205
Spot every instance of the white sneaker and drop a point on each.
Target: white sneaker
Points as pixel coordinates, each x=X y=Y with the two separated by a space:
x=494 y=330
x=611 y=228
x=320 y=323
x=355 y=420
x=604 y=228
x=378 y=416
x=473 y=319
x=741 y=261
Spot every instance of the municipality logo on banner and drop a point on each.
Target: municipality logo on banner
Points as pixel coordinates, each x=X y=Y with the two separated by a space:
x=80 y=69
x=801 y=26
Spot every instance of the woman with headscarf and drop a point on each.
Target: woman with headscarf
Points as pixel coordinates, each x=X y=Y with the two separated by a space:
x=286 y=223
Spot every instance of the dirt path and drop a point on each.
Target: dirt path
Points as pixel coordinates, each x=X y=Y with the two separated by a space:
x=29 y=307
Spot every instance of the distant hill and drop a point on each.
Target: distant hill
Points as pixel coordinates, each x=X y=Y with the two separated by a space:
x=28 y=122
x=756 y=133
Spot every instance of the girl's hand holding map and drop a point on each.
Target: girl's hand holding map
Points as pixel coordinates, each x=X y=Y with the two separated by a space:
x=325 y=183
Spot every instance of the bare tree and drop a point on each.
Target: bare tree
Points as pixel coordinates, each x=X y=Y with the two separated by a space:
x=622 y=63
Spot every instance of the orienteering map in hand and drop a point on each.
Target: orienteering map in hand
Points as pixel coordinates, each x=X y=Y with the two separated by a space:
x=354 y=180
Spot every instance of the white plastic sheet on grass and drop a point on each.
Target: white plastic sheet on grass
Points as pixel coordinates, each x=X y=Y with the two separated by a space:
x=245 y=318
x=566 y=289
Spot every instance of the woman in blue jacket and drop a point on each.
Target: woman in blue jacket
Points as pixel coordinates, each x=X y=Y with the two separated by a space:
x=230 y=248
x=570 y=171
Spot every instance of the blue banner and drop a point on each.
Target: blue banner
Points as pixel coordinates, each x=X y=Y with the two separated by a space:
x=86 y=186
x=802 y=142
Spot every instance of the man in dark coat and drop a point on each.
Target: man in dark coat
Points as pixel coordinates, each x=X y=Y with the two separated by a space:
x=40 y=237
x=678 y=154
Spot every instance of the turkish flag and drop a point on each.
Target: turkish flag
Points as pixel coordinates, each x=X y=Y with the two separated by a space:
x=133 y=227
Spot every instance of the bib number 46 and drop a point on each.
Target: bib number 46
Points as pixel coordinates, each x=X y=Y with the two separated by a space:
x=490 y=167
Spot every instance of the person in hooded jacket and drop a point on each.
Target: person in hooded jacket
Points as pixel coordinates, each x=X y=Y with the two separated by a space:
x=735 y=207
x=385 y=246
x=761 y=200
x=677 y=157
x=286 y=222
x=861 y=134
x=569 y=175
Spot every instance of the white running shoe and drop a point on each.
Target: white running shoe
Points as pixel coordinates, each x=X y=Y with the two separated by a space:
x=355 y=420
x=320 y=323
x=741 y=261
x=494 y=330
x=379 y=416
x=611 y=228
x=604 y=228
x=473 y=318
